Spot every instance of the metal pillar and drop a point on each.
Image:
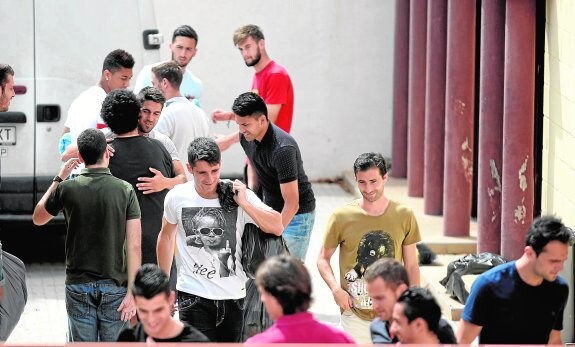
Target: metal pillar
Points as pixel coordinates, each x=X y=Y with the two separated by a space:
x=490 y=126
x=459 y=103
x=435 y=107
x=400 y=90
x=518 y=120
x=416 y=104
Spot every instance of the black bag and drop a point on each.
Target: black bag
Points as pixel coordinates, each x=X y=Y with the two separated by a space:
x=472 y=264
x=15 y=294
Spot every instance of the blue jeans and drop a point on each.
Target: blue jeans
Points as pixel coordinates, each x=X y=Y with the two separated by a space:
x=219 y=320
x=92 y=311
x=298 y=233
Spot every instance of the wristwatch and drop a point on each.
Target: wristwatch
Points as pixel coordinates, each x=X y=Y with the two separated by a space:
x=57 y=179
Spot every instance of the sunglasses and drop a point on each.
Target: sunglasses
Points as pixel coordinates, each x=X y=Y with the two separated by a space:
x=215 y=231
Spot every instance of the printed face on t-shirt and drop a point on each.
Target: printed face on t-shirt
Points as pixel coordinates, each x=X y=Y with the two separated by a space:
x=211 y=240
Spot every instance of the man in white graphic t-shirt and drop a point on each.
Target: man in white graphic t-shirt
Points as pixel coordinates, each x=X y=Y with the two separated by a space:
x=211 y=280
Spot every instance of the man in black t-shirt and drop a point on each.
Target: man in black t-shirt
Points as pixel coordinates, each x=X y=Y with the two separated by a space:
x=134 y=157
x=154 y=303
x=278 y=164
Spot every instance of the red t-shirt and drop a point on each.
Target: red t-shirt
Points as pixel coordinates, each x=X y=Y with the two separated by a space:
x=274 y=86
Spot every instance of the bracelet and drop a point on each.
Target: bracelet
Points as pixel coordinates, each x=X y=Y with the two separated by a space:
x=57 y=179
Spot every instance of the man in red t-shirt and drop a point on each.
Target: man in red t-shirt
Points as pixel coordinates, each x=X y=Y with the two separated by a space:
x=271 y=81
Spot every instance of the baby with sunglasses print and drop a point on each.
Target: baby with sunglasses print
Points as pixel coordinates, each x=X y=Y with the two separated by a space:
x=210 y=224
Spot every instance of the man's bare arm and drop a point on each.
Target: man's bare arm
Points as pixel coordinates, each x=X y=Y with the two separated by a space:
x=341 y=297
x=226 y=141
x=165 y=245
x=290 y=195
x=411 y=264
x=467 y=332
x=159 y=182
x=41 y=216
x=127 y=307
x=555 y=337
x=273 y=112
x=268 y=221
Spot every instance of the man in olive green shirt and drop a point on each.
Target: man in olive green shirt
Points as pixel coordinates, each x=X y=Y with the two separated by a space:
x=102 y=224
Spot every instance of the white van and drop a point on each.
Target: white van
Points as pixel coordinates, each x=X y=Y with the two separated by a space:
x=57 y=48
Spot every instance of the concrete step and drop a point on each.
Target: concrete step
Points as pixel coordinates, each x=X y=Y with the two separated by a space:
x=430 y=277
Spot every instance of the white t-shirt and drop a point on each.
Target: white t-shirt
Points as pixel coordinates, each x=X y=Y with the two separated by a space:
x=214 y=275
x=182 y=122
x=84 y=113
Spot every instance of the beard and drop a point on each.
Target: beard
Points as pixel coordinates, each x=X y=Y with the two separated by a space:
x=256 y=60
x=177 y=62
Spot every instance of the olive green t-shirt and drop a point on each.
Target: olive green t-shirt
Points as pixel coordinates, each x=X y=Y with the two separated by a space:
x=96 y=207
x=362 y=239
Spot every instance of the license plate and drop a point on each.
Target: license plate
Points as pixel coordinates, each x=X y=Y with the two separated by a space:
x=7 y=135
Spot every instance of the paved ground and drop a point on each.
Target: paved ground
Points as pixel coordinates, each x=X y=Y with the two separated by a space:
x=44 y=318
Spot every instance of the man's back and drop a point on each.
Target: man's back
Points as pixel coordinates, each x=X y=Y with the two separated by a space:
x=96 y=206
x=133 y=158
x=182 y=122
x=512 y=312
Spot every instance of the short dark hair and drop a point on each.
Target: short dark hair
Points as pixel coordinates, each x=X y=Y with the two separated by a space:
x=171 y=71
x=545 y=229
x=117 y=59
x=286 y=279
x=250 y=104
x=91 y=145
x=420 y=303
x=368 y=160
x=5 y=70
x=150 y=281
x=206 y=149
x=390 y=270
x=151 y=94
x=121 y=111
x=185 y=30
x=246 y=31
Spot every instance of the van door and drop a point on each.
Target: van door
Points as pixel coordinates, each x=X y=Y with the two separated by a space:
x=17 y=131
x=57 y=48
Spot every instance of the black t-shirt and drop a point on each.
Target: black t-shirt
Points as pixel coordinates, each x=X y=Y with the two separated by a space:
x=137 y=334
x=133 y=158
x=276 y=160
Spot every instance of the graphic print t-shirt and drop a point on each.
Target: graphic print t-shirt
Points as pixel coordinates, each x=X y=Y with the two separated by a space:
x=208 y=243
x=362 y=240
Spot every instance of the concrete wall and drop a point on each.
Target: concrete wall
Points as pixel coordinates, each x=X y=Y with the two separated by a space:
x=340 y=58
x=558 y=191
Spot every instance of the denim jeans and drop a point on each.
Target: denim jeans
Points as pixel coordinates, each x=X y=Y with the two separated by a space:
x=92 y=311
x=219 y=320
x=298 y=233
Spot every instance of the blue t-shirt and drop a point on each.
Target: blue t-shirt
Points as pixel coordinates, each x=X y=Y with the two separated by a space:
x=513 y=312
